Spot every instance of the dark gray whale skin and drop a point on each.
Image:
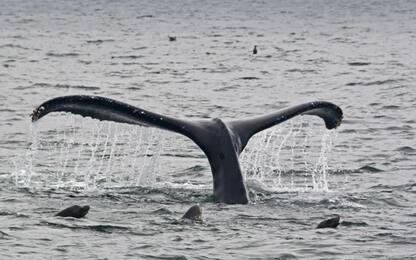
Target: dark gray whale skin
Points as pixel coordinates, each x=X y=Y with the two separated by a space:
x=221 y=141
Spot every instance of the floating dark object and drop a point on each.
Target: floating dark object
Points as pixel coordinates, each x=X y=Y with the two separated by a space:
x=74 y=211
x=329 y=223
x=172 y=38
x=193 y=213
x=255 y=49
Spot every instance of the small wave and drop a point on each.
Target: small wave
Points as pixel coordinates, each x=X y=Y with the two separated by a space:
x=14 y=214
x=369 y=168
x=162 y=211
x=215 y=35
x=357 y=63
x=226 y=88
x=399 y=128
x=128 y=57
x=68 y=54
x=13 y=46
x=5 y=236
x=196 y=168
x=86 y=62
x=391 y=107
x=164 y=257
x=257 y=218
x=375 y=104
x=105 y=228
x=372 y=83
x=139 y=48
x=145 y=16
x=303 y=71
x=249 y=78
x=353 y=224
x=26 y=20
x=167 y=192
x=7 y=110
x=59 y=86
x=335 y=203
x=130 y=63
x=392 y=202
x=99 y=41
x=406 y=149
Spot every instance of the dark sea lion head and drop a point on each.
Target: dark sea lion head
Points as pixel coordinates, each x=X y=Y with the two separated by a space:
x=74 y=211
x=330 y=223
x=193 y=213
x=84 y=210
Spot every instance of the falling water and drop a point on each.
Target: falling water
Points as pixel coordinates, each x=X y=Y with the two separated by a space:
x=85 y=154
x=96 y=155
x=290 y=158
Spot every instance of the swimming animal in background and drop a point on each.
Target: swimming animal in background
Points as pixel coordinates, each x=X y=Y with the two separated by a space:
x=194 y=213
x=329 y=223
x=221 y=141
x=74 y=211
x=255 y=49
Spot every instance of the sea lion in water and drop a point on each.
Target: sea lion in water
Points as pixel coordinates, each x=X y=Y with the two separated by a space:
x=193 y=213
x=221 y=141
x=74 y=211
x=329 y=223
x=255 y=49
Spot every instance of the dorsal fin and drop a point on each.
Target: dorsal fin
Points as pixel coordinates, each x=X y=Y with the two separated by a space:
x=246 y=128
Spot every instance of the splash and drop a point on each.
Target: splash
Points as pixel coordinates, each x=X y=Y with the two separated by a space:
x=293 y=158
x=85 y=154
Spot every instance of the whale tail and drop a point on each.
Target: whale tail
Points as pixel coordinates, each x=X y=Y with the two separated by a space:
x=246 y=128
x=221 y=141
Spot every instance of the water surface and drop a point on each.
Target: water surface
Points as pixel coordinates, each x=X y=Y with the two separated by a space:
x=138 y=181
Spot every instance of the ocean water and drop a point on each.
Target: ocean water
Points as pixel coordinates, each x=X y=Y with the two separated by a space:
x=138 y=181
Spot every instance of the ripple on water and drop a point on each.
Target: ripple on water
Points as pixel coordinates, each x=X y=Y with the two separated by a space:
x=57 y=86
x=374 y=83
x=62 y=55
x=369 y=169
x=406 y=150
x=77 y=225
x=358 y=63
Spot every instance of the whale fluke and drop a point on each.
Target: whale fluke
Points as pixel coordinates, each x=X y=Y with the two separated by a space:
x=246 y=128
x=221 y=141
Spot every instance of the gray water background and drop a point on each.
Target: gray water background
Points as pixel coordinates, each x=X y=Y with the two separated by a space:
x=138 y=181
